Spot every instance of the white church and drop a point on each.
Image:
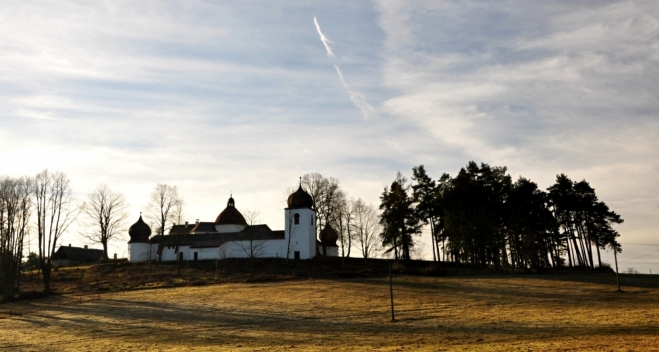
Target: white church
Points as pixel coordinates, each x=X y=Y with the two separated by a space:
x=229 y=236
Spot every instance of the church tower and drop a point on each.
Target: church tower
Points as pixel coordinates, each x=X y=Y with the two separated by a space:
x=300 y=220
x=138 y=245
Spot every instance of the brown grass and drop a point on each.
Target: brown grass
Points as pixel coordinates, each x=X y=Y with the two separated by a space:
x=511 y=312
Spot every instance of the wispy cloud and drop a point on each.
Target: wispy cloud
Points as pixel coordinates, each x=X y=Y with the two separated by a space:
x=368 y=111
x=357 y=97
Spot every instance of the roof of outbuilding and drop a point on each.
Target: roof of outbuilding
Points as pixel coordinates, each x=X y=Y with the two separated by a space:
x=79 y=254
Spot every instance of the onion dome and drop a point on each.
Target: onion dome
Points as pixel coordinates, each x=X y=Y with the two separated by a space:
x=139 y=231
x=328 y=236
x=230 y=215
x=300 y=199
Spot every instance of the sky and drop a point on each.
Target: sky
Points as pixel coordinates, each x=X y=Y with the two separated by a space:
x=244 y=97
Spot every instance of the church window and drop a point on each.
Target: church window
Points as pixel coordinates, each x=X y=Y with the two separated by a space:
x=296 y=218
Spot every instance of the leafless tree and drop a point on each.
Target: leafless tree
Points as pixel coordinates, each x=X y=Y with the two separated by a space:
x=251 y=246
x=105 y=216
x=367 y=228
x=15 y=210
x=163 y=207
x=325 y=193
x=179 y=211
x=342 y=221
x=55 y=210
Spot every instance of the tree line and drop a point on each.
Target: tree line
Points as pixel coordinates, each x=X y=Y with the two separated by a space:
x=482 y=217
x=42 y=208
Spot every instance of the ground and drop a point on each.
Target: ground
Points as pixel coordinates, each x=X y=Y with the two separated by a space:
x=565 y=311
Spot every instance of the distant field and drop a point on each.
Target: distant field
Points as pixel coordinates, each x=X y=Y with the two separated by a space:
x=547 y=312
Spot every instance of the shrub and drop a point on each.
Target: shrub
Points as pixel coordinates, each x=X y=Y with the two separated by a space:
x=631 y=270
x=605 y=267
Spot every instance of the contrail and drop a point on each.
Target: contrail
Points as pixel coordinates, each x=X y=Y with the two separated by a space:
x=323 y=38
x=358 y=99
x=368 y=111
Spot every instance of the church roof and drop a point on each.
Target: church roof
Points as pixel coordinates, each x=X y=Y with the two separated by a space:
x=198 y=240
x=139 y=231
x=230 y=215
x=300 y=199
x=328 y=236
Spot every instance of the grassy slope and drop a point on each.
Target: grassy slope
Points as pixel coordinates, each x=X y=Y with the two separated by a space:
x=505 y=312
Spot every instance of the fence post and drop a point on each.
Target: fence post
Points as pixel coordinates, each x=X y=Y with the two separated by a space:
x=615 y=255
x=391 y=293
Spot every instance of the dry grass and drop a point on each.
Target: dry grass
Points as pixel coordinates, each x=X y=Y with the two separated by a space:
x=548 y=312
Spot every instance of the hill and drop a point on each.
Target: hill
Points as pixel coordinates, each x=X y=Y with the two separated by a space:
x=559 y=311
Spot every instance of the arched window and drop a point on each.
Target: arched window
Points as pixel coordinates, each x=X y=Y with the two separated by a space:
x=296 y=220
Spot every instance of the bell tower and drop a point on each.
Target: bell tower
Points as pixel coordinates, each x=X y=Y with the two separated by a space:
x=300 y=220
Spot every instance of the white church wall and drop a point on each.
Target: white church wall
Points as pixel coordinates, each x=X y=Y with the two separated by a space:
x=138 y=252
x=302 y=240
x=263 y=249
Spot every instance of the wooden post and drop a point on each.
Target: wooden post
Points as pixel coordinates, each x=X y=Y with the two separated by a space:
x=615 y=255
x=391 y=293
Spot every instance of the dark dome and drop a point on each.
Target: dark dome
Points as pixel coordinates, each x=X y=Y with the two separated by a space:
x=230 y=215
x=328 y=236
x=300 y=199
x=139 y=231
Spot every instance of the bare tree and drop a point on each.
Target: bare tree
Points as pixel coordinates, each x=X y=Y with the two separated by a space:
x=251 y=246
x=55 y=210
x=325 y=193
x=163 y=207
x=342 y=221
x=367 y=228
x=105 y=214
x=179 y=211
x=15 y=209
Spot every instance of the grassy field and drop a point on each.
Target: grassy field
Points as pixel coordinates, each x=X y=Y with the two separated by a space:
x=507 y=312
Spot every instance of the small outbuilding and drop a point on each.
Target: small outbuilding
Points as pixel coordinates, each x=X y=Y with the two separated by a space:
x=67 y=256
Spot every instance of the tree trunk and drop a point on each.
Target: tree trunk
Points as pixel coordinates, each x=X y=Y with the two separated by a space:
x=105 y=250
x=432 y=239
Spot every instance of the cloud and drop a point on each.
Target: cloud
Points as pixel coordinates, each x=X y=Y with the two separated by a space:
x=542 y=90
x=357 y=97
x=219 y=97
x=368 y=111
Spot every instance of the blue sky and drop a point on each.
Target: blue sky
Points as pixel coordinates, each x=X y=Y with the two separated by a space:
x=243 y=97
